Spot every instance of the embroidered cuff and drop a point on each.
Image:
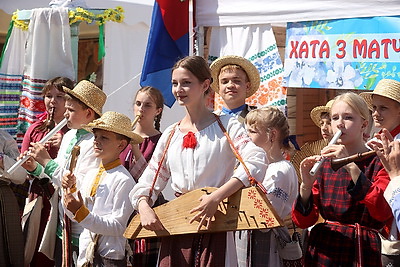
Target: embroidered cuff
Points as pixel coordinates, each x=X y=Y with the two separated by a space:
x=50 y=167
x=36 y=172
x=392 y=189
x=81 y=214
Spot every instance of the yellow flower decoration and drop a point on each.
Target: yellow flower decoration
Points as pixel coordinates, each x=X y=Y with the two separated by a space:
x=79 y=15
x=22 y=24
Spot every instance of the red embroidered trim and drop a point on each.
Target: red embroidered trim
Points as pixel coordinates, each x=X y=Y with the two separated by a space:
x=189 y=140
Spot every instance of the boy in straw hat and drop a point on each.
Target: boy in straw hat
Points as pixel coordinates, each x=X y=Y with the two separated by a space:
x=384 y=102
x=321 y=117
x=235 y=79
x=83 y=104
x=102 y=206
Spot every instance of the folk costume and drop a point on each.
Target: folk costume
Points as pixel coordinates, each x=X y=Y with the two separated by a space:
x=106 y=212
x=259 y=247
x=192 y=161
x=106 y=207
x=389 y=89
x=11 y=239
x=251 y=72
x=94 y=98
x=353 y=212
x=40 y=188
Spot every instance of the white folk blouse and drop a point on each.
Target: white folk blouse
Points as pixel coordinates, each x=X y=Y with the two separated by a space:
x=211 y=163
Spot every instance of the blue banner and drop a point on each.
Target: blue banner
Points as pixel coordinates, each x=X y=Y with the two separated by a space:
x=342 y=54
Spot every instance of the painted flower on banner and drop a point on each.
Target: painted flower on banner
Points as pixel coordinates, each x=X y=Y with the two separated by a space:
x=342 y=75
x=299 y=73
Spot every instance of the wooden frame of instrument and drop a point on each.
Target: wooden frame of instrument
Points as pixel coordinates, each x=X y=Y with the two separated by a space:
x=247 y=209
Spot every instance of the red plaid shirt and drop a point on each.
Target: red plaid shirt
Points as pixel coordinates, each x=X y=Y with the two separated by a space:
x=338 y=199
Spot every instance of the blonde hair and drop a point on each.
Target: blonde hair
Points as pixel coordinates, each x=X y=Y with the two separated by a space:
x=270 y=117
x=356 y=102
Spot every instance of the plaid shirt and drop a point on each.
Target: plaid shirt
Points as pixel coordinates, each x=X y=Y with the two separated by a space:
x=338 y=199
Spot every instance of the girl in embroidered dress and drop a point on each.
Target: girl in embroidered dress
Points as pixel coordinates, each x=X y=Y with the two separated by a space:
x=148 y=104
x=268 y=128
x=350 y=200
x=192 y=160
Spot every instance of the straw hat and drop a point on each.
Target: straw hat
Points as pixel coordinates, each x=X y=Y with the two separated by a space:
x=387 y=88
x=247 y=66
x=115 y=122
x=316 y=112
x=91 y=95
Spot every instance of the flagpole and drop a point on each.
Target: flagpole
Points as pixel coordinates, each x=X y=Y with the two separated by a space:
x=191 y=31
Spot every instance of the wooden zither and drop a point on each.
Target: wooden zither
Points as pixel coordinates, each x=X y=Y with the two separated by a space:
x=247 y=209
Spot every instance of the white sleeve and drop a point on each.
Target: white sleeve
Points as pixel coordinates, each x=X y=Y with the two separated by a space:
x=115 y=223
x=142 y=188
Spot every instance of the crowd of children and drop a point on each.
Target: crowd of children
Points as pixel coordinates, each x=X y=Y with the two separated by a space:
x=81 y=204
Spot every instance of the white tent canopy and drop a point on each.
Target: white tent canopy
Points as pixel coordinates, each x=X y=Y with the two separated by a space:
x=246 y=12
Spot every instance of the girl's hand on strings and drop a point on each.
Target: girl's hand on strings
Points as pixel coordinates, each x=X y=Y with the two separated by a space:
x=206 y=210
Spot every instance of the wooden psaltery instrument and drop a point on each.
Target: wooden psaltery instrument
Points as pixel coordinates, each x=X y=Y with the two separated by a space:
x=247 y=209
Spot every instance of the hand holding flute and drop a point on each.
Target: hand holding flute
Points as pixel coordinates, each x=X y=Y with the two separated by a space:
x=318 y=164
x=46 y=138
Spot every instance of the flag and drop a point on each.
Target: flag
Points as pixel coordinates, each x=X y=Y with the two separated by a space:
x=168 y=42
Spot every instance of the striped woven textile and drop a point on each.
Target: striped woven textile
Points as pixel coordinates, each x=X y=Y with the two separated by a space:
x=10 y=92
x=31 y=104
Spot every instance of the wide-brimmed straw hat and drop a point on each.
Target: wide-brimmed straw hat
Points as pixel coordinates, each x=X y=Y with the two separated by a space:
x=91 y=95
x=115 y=122
x=316 y=112
x=247 y=66
x=387 y=87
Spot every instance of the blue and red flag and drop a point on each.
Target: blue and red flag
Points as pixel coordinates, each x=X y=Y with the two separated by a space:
x=168 y=42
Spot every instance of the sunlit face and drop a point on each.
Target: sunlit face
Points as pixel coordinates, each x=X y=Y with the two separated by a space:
x=75 y=114
x=346 y=119
x=259 y=137
x=107 y=145
x=326 y=129
x=146 y=106
x=386 y=112
x=233 y=87
x=186 y=88
x=55 y=99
